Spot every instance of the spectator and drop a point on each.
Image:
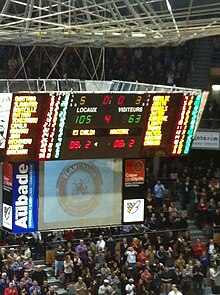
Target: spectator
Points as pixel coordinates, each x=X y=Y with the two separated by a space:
x=174 y=291
x=105 y=289
x=80 y=287
x=100 y=245
x=159 y=190
x=68 y=269
x=130 y=287
x=11 y=290
x=82 y=250
x=39 y=275
x=198 y=248
x=35 y=289
x=59 y=258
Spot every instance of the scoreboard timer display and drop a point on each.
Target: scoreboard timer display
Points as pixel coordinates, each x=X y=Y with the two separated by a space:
x=100 y=125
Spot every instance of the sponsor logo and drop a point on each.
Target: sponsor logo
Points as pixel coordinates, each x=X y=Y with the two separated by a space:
x=133 y=207
x=7 y=212
x=79 y=188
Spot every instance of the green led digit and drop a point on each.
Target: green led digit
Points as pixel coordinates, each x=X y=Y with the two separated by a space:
x=137 y=119
x=131 y=119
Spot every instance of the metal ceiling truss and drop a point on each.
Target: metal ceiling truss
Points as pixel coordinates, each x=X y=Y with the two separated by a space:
x=111 y=23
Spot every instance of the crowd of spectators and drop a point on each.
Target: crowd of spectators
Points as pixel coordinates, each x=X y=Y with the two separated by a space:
x=142 y=259
x=158 y=65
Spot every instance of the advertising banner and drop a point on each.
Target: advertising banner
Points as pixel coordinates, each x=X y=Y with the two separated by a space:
x=133 y=210
x=134 y=172
x=25 y=197
x=7 y=183
x=207 y=140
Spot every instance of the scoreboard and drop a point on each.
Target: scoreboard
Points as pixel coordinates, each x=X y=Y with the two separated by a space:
x=100 y=125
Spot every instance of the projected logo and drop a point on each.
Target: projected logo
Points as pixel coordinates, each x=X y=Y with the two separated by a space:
x=79 y=187
x=133 y=210
x=7 y=216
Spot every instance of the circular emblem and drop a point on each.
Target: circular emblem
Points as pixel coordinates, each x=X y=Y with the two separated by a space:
x=79 y=188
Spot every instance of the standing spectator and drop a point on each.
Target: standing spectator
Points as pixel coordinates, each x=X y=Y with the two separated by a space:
x=131 y=256
x=123 y=248
x=198 y=248
x=213 y=273
x=68 y=269
x=100 y=243
x=198 y=278
x=80 y=287
x=110 y=246
x=159 y=190
x=100 y=258
x=70 y=250
x=82 y=250
x=59 y=258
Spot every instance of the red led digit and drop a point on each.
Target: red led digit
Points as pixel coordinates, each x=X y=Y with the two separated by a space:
x=119 y=143
x=74 y=145
x=88 y=143
x=131 y=143
x=106 y=100
x=107 y=118
x=121 y=100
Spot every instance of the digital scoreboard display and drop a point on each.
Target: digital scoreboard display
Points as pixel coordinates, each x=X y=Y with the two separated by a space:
x=100 y=125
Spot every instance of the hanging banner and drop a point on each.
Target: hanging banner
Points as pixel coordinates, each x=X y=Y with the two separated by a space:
x=20 y=197
x=25 y=197
x=133 y=210
x=7 y=190
x=134 y=172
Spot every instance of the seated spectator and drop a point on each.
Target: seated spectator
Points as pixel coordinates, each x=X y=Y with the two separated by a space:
x=3 y=283
x=29 y=266
x=39 y=275
x=52 y=291
x=26 y=252
x=27 y=281
x=35 y=289
x=44 y=288
x=105 y=288
x=11 y=290
x=12 y=255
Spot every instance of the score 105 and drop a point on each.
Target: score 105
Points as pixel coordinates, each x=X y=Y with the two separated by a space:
x=126 y=119
x=87 y=144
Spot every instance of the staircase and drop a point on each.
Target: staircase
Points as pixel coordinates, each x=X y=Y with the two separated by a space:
x=195 y=232
x=201 y=63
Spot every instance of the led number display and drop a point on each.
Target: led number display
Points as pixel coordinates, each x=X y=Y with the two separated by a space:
x=104 y=125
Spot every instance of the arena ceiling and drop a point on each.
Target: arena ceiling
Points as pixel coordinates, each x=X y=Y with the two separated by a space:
x=108 y=23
